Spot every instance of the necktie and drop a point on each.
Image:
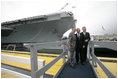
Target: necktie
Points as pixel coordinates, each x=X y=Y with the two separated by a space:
x=78 y=35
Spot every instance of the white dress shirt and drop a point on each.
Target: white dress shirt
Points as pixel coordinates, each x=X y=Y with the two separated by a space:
x=84 y=33
x=78 y=35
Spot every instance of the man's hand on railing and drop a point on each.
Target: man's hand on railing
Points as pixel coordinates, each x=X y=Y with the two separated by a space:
x=86 y=40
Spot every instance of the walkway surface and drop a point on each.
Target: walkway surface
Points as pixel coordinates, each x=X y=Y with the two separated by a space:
x=79 y=71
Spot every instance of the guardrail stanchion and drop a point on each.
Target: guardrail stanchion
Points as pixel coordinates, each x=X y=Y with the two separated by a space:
x=93 y=60
x=88 y=52
x=42 y=65
x=92 y=47
x=34 y=63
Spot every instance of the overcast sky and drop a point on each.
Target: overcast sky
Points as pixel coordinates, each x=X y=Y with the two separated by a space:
x=99 y=16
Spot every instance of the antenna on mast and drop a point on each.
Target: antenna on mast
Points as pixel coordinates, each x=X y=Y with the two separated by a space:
x=103 y=28
x=64 y=6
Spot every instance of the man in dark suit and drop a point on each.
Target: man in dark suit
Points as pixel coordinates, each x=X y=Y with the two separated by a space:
x=78 y=46
x=85 y=39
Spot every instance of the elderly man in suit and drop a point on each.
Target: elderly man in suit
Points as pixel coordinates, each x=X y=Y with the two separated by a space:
x=85 y=39
x=78 y=49
x=71 y=46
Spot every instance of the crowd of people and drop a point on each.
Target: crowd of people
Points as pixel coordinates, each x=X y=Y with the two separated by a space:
x=77 y=46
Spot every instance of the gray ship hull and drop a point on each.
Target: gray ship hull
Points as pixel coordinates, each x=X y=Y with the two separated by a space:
x=39 y=29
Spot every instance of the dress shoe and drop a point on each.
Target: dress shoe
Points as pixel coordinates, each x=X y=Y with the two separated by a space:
x=76 y=63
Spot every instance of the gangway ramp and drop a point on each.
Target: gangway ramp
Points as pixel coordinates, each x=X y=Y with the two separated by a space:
x=78 y=71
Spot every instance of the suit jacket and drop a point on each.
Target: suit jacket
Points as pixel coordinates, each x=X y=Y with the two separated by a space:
x=85 y=37
x=78 y=42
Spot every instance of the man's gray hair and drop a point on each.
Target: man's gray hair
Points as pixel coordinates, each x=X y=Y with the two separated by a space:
x=83 y=27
